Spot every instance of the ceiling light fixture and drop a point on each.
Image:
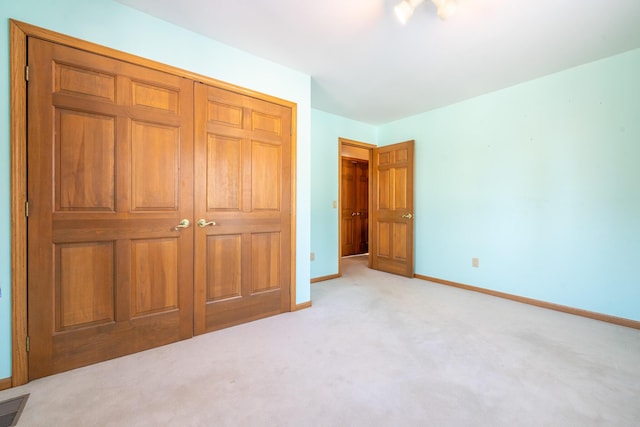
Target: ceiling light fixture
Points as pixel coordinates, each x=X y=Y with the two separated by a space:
x=405 y=8
x=446 y=8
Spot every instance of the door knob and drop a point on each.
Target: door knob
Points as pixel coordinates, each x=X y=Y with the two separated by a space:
x=183 y=224
x=202 y=223
x=407 y=216
x=353 y=214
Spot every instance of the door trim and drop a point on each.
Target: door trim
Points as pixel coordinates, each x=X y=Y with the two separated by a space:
x=358 y=144
x=18 y=147
x=19 y=32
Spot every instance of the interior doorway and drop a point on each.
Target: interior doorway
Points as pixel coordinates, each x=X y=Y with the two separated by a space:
x=354 y=199
x=390 y=212
x=354 y=204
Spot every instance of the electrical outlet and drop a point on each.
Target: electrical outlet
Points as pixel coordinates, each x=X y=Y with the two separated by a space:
x=335 y=204
x=475 y=262
x=313 y=256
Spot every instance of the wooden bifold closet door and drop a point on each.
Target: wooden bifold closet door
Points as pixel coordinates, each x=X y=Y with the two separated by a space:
x=109 y=177
x=113 y=223
x=243 y=206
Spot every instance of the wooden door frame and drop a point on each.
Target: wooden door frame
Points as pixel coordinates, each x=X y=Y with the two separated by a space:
x=358 y=144
x=19 y=32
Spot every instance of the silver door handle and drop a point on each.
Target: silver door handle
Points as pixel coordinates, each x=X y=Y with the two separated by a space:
x=407 y=216
x=202 y=223
x=183 y=224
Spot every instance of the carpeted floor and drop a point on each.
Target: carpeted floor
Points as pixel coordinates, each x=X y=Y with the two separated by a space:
x=374 y=350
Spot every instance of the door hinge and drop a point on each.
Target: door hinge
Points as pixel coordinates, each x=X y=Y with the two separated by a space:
x=26 y=209
x=28 y=344
x=26 y=73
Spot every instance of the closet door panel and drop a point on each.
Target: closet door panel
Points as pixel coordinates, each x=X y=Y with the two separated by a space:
x=242 y=199
x=110 y=175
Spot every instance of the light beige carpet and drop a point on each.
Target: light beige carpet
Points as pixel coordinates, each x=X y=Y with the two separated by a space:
x=374 y=350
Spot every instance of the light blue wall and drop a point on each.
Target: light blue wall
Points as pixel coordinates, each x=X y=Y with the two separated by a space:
x=325 y=130
x=541 y=181
x=114 y=25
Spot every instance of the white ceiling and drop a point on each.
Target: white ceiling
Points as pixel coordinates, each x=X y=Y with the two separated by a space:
x=366 y=66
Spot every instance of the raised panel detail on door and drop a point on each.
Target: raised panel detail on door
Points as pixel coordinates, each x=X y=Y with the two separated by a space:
x=243 y=193
x=399 y=188
x=110 y=175
x=400 y=241
x=266 y=123
x=225 y=114
x=85 y=289
x=155 y=166
x=84 y=161
x=266 y=169
x=85 y=82
x=224 y=169
x=265 y=259
x=224 y=267
x=384 y=189
x=154 y=276
x=146 y=95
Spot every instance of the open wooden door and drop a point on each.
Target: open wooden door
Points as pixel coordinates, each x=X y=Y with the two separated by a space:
x=391 y=246
x=110 y=164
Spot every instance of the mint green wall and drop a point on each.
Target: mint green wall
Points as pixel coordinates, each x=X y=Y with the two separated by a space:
x=541 y=181
x=325 y=130
x=112 y=24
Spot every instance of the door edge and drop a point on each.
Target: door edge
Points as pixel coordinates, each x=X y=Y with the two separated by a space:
x=18 y=187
